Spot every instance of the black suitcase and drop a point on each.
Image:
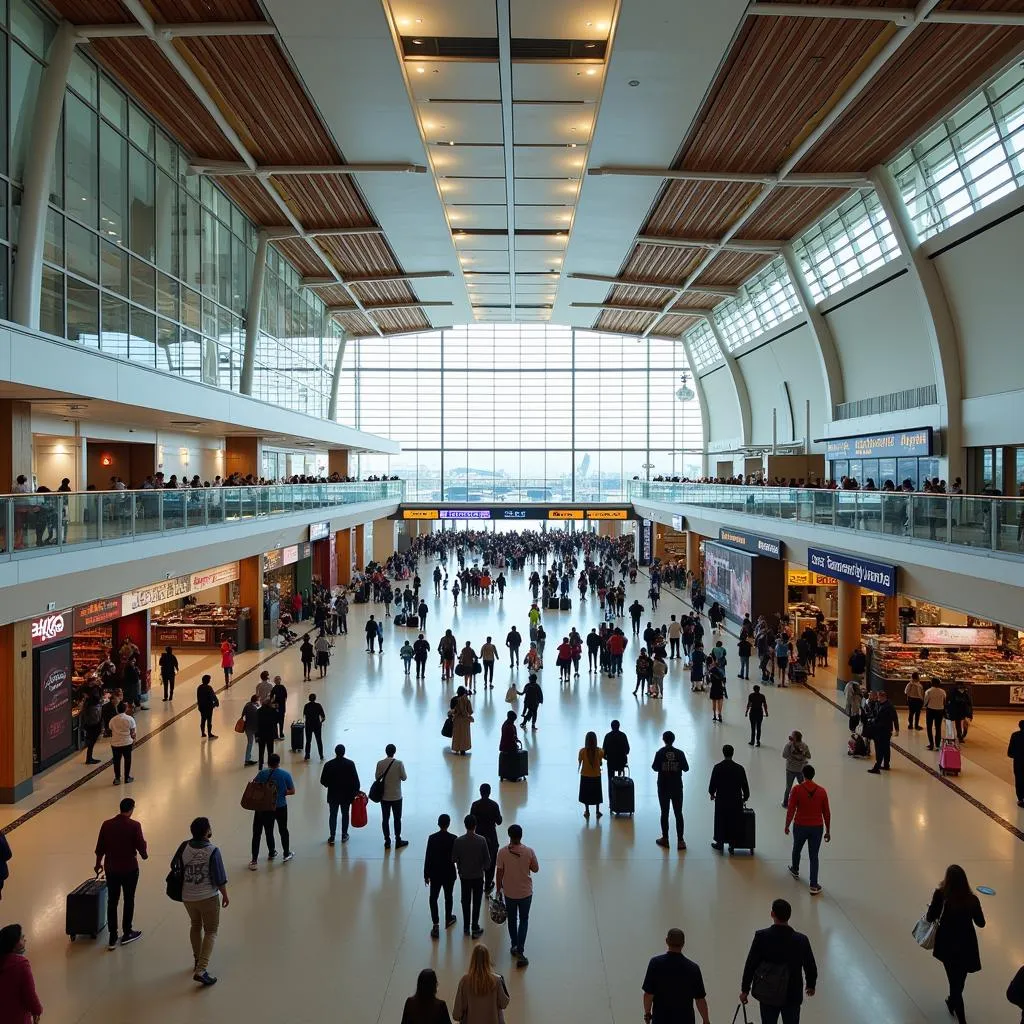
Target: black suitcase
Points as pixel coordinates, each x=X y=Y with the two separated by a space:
x=748 y=831
x=298 y=736
x=565 y=604
x=412 y=621
x=621 y=794
x=85 y=910
x=553 y=604
x=399 y=620
x=513 y=765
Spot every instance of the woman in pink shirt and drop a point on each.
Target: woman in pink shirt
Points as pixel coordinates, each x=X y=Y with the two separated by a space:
x=227 y=660
x=516 y=864
x=19 y=1003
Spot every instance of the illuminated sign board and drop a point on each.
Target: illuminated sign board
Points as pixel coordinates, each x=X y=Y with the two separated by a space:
x=420 y=513
x=49 y=628
x=319 y=531
x=873 y=446
x=465 y=513
x=750 y=542
x=95 y=613
x=565 y=513
x=874 y=576
x=520 y=513
x=607 y=513
x=677 y=523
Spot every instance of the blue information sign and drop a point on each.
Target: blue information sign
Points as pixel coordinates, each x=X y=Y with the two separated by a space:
x=751 y=542
x=898 y=444
x=874 y=576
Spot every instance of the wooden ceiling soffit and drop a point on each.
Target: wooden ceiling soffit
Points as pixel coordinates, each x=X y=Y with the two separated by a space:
x=699 y=209
x=731 y=269
x=788 y=211
x=624 y=322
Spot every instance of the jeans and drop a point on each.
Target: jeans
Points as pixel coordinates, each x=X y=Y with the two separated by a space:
x=472 y=893
x=883 y=751
x=675 y=798
x=387 y=809
x=250 y=739
x=673 y=647
x=168 y=688
x=774 y=1014
x=488 y=671
x=314 y=731
x=263 y=824
x=332 y=818
x=744 y=666
x=205 y=721
x=592 y=660
x=119 y=882
x=122 y=754
x=436 y=888
x=812 y=836
x=791 y=777
x=205 y=918
x=957 y=978
x=266 y=749
x=421 y=668
x=933 y=720
x=518 y=921
x=755 y=728
x=914 y=705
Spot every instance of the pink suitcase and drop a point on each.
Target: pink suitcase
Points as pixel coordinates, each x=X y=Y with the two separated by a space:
x=949 y=758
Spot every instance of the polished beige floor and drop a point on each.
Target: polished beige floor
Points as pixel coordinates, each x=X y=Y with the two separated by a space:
x=340 y=933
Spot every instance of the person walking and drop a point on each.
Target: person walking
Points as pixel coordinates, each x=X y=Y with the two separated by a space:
x=439 y=873
x=887 y=720
x=341 y=780
x=322 y=650
x=675 y=633
x=18 y=996
x=589 y=759
x=673 y=985
x=616 y=749
x=266 y=730
x=204 y=893
x=669 y=764
x=914 y=692
x=488 y=818
x=513 y=641
x=122 y=739
x=659 y=669
x=960 y=708
x=424 y=1007
x=796 y=754
x=488 y=656
x=780 y=968
x=407 y=653
x=472 y=857
x=934 y=712
x=168 y=672
x=263 y=821
x=811 y=818
x=593 y=650
x=227 y=660
x=390 y=772
x=958 y=912
x=461 y=715
x=854 y=697
x=481 y=996
x=314 y=716
x=757 y=712
x=250 y=726
x=1015 y=752
x=206 y=701
x=119 y=846
x=716 y=689
x=729 y=790
x=516 y=864
x=92 y=725
x=533 y=697
x=744 y=649
x=420 y=650
x=306 y=655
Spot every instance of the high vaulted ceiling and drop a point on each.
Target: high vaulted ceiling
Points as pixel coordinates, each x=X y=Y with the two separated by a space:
x=596 y=162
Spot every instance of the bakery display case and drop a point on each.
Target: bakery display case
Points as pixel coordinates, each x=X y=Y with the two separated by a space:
x=200 y=625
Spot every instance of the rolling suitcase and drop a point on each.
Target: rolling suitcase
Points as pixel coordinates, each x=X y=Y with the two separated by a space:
x=85 y=910
x=565 y=604
x=412 y=621
x=552 y=604
x=949 y=758
x=748 y=832
x=298 y=736
x=620 y=794
x=513 y=765
x=399 y=620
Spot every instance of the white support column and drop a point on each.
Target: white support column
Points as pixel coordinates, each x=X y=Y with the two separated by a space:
x=739 y=385
x=339 y=359
x=942 y=333
x=252 y=314
x=824 y=341
x=28 y=267
x=705 y=419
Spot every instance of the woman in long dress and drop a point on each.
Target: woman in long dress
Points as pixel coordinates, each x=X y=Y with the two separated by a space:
x=590 y=758
x=462 y=718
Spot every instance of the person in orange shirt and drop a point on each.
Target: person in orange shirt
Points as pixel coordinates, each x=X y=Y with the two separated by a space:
x=811 y=819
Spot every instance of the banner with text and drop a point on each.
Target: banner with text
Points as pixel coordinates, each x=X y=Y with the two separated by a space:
x=875 y=576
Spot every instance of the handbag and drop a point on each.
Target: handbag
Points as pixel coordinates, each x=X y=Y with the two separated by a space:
x=240 y=724
x=771 y=983
x=496 y=908
x=376 y=793
x=357 y=816
x=511 y=694
x=924 y=932
x=175 y=880
x=259 y=796
x=448 y=729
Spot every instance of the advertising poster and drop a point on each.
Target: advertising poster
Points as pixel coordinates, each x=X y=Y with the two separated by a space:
x=728 y=575
x=54 y=697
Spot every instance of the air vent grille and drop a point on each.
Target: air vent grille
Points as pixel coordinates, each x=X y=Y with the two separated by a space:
x=895 y=401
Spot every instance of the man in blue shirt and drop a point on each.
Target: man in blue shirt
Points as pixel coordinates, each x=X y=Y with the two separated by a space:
x=263 y=821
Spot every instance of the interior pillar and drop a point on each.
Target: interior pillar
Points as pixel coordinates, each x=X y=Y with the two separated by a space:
x=243 y=454
x=15 y=441
x=15 y=712
x=337 y=461
x=892 y=614
x=693 y=551
x=343 y=551
x=250 y=595
x=848 y=613
x=383 y=539
x=359 y=542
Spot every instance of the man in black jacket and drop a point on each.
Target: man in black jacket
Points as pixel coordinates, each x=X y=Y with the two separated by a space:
x=513 y=642
x=279 y=698
x=341 y=780
x=439 y=873
x=488 y=818
x=616 y=750
x=791 y=951
x=206 y=701
x=730 y=791
x=168 y=670
x=670 y=763
x=887 y=721
x=420 y=650
x=1015 y=751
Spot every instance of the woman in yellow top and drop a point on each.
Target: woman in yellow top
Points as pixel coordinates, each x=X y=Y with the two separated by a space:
x=590 y=758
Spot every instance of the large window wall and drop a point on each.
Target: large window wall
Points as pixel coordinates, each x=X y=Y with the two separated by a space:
x=522 y=412
x=142 y=260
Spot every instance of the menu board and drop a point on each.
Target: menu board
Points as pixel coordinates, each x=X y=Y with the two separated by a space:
x=1017 y=694
x=951 y=636
x=54 y=696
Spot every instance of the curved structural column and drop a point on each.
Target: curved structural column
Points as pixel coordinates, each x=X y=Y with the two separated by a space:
x=705 y=419
x=942 y=334
x=339 y=359
x=739 y=385
x=252 y=314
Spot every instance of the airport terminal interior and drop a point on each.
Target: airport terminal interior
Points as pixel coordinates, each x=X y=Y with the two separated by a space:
x=355 y=323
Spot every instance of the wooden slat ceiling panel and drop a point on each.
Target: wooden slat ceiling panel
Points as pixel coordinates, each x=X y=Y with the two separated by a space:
x=252 y=197
x=938 y=65
x=93 y=12
x=676 y=326
x=323 y=201
x=383 y=291
x=779 y=76
x=298 y=253
x=398 y=320
x=787 y=211
x=626 y=323
x=360 y=254
x=262 y=98
x=355 y=324
x=181 y=11
x=697 y=300
x=334 y=296
x=732 y=268
x=662 y=262
x=698 y=208
x=631 y=295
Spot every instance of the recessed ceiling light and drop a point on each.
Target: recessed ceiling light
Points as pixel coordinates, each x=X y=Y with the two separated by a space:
x=421 y=71
x=419 y=21
x=591 y=71
x=417 y=42
x=634 y=82
x=602 y=25
x=572 y=145
x=588 y=24
x=451 y=142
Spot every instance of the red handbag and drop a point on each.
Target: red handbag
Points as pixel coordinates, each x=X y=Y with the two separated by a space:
x=357 y=816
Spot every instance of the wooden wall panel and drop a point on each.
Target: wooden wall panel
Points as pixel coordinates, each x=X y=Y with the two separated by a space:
x=16 y=730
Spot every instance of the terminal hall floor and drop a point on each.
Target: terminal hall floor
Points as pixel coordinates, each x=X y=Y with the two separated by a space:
x=341 y=932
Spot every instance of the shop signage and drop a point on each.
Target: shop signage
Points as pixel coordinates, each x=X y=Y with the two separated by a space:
x=465 y=513
x=48 y=628
x=290 y=555
x=156 y=593
x=900 y=443
x=95 y=613
x=54 y=701
x=607 y=513
x=1017 y=694
x=806 y=578
x=646 y=541
x=952 y=636
x=215 y=577
x=319 y=531
x=273 y=560
x=677 y=523
x=768 y=546
x=420 y=513
x=565 y=513
x=874 y=576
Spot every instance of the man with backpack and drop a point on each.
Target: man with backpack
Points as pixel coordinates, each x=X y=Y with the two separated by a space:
x=204 y=892
x=263 y=819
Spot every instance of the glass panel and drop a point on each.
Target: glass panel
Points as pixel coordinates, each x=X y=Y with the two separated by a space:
x=83 y=313
x=51 y=306
x=113 y=187
x=114 y=268
x=82 y=77
x=166 y=153
x=142 y=344
x=143 y=205
x=82 y=155
x=53 y=241
x=166 y=224
x=143 y=284
x=31 y=27
x=113 y=104
x=140 y=129
x=82 y=251
x=167 y=296
x=114 y=326
x=25 y=76
x=191 y=309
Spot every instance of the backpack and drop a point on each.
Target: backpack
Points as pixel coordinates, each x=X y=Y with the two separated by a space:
x=771 y=983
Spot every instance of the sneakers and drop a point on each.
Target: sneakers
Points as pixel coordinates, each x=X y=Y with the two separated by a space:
x=400 y=843
x=795 y=872
x=387 y=844
x=211 y=736
x=253 y=865
x=206 y=979
x=130 y=937
x=680 y=845
x=662 y=841
x=449 y=921
x=92 y=760
x=112 y=944
x=287 y=857
x=435 y=932
x=271 y=854
x=874 y=771
x=815 y=890
x=117 y=781
x=522 y=961
x=330 y=840
x=248 y=764
x=344 y=837
x=129 y=778
x=476 y=933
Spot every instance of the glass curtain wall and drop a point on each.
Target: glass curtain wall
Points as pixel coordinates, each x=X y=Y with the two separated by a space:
x=522 y=412
x=142 y=260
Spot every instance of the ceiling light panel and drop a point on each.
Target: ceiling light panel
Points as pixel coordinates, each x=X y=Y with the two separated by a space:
x=582 y=19
x=478 y=191
x=549 y=161
x=468 y=161
x=469 y=217
x=423 y=18
x=451 y=79
x=554 y=218
x=546 y=191
x=561 y=81
x=461 y=122
x=552 y=124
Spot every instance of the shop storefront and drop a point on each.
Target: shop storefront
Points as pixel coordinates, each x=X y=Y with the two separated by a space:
x=286 y=572
x=743 y=572
x=54 y=718
x=812 y=596
x=324 y=555
x=896 y=456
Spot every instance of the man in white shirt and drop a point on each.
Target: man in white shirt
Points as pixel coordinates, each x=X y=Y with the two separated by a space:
x=515 y=865
x=934 y=707
x=390 y=772
x=675 y=632
x=122 y=737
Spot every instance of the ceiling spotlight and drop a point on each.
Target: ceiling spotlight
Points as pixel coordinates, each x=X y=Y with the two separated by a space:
x=417 y=42
x=572 y=145
x=451 y=142
x=419 y=21
x=591 y=71
x=589 y=24
x=421 y=71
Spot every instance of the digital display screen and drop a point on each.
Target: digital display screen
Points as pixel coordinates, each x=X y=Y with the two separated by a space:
x=565 y=513
x=465 y=513
x=54 y=701
x=728 y=577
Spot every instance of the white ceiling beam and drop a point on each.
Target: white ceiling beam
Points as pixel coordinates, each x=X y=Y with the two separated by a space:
x=191 y=29
x=896 y=16
x=504 y=24
x=282 y=232
x=615 y=307
x=234 y=169
x=385 y=278
x=1008 y=18
x=733 y=245
x=824 y=180
x=663 y=285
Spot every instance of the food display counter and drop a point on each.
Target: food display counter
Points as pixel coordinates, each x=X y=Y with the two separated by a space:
x=201 y=625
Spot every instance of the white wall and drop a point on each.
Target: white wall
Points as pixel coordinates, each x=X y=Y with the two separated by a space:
x=881 y=340
x=54 y=458
x=723 y=410
x=186 y=455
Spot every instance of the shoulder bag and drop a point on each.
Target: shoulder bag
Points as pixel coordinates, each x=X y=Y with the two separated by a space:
x=771 y=983
x=924 y=932
x=260 y=796
x=376 y=793
x=176 y=876
x=448 y=729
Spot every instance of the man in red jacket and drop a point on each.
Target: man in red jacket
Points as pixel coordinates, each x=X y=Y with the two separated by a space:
x=616 y=648
x=811 y=818
x=118 y=848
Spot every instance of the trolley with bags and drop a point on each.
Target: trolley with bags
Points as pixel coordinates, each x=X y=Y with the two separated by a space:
x=949 y=749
